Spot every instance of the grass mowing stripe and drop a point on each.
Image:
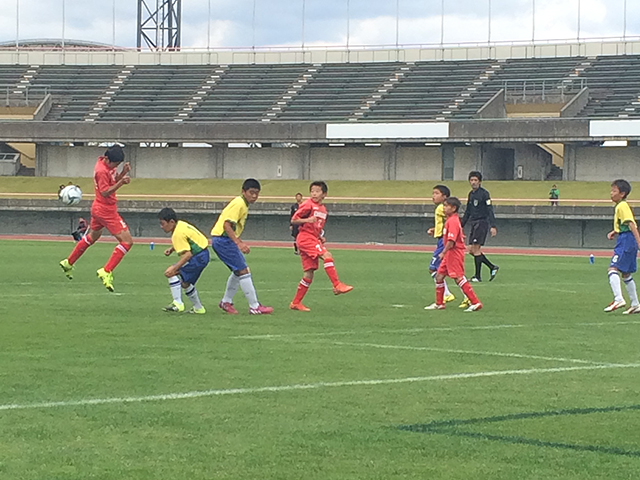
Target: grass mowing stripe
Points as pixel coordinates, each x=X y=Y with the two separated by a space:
x=467 y=352
x=308 y=386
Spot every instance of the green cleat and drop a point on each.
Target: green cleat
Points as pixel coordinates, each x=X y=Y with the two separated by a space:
x=67 y=268
x=107 y=279
x=174 y=307
x=197 y=311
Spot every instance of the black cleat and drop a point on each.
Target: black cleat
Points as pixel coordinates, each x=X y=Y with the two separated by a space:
x=494 y=271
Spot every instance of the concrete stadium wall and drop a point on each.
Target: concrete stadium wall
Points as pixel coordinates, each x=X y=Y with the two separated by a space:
x=605 y=163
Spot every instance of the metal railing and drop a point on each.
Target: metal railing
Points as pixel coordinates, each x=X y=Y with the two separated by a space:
x=542 y=88
x=29 y=96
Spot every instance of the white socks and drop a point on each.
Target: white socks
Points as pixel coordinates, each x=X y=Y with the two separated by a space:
x=192 y=293
x=176 y=288
x=232 y=287
x=631 y=290
x=249 y=290
x=614 y=281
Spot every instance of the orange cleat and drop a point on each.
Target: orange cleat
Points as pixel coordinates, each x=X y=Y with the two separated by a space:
x=342 y=288
x=299 y=306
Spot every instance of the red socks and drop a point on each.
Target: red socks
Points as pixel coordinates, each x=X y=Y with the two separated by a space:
x=118 y=253
x=466 y=288
x=84 y=243
x=303 y=287
x=331 y=272
x=440 y=293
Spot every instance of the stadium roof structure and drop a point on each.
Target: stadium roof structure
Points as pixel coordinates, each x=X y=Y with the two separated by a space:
x=59 y=44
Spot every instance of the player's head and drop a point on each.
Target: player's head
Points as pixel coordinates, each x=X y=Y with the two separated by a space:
x=115 y=154
x=298 y=197
x=475 y=179
x=440 y=194
x=168 y=219
x=318 y=190
x=451 y=205
x=620 y=189
x=251 y=190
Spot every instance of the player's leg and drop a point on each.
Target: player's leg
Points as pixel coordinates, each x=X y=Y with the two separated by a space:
x=190 y=273
x=176 y=294
x=81 y=247
x=433 y=269
x=125 y=242
x=309 y=266
x=618 y=263
x=630 y=285
x=439 y=278
x=223 y=248
x=332 y=273
x=467 y=289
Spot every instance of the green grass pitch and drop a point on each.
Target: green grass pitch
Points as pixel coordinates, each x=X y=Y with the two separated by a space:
x=540 y=384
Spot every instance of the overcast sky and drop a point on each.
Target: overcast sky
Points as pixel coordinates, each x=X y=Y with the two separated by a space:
x=371 y=22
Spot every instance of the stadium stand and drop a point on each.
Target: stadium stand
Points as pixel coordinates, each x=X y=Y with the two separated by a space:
x=381 y=91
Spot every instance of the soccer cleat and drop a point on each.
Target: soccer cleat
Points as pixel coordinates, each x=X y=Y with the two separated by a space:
x=174 y=307
x=474 y=308
x=494 y=271
x=614 y=306
x=449 y=298
x=298 y=306
x=466 y=303
x=261 y=310
x=107 y=279
x=434 y=306
x=228 y=307
x=197 y=311
x=632 y=310
x=342 y=288
x=67 y=268
x=475 y=279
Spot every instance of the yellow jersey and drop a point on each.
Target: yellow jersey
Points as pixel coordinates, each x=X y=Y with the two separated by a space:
x=236 y=213
x=187 y=238
x=440 y=219
x=622 y=217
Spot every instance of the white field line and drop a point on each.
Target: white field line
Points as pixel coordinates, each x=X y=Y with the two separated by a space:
x=429 y=329
x=303 y=386
x=466 y=352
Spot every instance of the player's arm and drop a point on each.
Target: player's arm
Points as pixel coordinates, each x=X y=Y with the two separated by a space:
x=303 y=215
x=634 y=229
x=448 y=246
x=126 y=168
x=492 y=215
x=106 y=190
x=174 y=269
x=228 y=229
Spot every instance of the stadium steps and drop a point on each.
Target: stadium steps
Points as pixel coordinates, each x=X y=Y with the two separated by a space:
x=107 y=96
x=282 y=102
x=204 y=89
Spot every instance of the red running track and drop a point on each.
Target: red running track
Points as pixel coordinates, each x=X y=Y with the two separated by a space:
x=554 y=252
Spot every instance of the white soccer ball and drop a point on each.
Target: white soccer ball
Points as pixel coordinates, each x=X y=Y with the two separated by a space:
x=70 y=195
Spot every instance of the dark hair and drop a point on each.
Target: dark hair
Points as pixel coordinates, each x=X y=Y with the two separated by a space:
x=250 y=183
x=623 y=186
x=443 y=190
x=298 y=194
x=453 y=201
x=115 y=154
x=476 y=174
x=167 y=214
x=321 y=184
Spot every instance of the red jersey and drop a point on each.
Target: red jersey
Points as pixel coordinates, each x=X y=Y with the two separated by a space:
x=103 y=179
x=453 y=232
x=307 y=209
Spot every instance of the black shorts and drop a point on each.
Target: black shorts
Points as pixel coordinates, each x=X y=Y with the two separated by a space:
x=479 y=231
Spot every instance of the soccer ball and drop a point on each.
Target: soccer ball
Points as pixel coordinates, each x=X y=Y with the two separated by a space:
x=70 y=195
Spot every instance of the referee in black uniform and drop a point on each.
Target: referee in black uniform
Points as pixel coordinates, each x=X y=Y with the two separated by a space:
x=295 y=228
x=479 y=212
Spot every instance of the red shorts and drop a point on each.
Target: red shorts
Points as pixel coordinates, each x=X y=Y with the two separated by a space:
x=311 y=249
x=109 y=219
x=453 y=264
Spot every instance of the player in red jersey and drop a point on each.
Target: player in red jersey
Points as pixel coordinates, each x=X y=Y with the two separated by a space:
x=311 y=217
x=104 y=213
x=453 y=259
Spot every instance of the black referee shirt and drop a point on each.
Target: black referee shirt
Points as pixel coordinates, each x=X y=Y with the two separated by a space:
x=479 y=207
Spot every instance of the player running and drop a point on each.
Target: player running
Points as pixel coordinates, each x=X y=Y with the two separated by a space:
x=626 y=249
x=311 y=217
x=104 y=214
x=192 y=248
x=453 y=259
x=439 y=195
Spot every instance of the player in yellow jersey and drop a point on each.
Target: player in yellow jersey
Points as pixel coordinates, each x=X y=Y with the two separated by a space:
x=439 y=195
x=230 y=249
x=626 y=250
x=192 y=248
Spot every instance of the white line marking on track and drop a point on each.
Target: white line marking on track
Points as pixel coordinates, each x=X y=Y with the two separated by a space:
x=308 y=386
x=467 y=352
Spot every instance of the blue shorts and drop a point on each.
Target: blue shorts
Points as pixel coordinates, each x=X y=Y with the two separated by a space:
x=190 y=271
x=625 y=253
x=229 y=253
x=435 y=260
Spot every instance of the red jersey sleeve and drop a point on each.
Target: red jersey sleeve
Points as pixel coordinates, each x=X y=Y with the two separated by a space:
x=453 y=230
x=304 y=211
x=102 y=181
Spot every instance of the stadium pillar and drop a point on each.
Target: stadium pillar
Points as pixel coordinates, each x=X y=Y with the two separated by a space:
x=569 y=166
x=217 y=159
x=305 y=162
x=390 y=161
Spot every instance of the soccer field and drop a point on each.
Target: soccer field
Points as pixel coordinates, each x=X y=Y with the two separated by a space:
x=540 y=384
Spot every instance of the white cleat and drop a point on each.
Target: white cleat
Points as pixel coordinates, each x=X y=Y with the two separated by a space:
x=614 y=306
x=474 y=307
x=434 y=306
x=631 y=310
